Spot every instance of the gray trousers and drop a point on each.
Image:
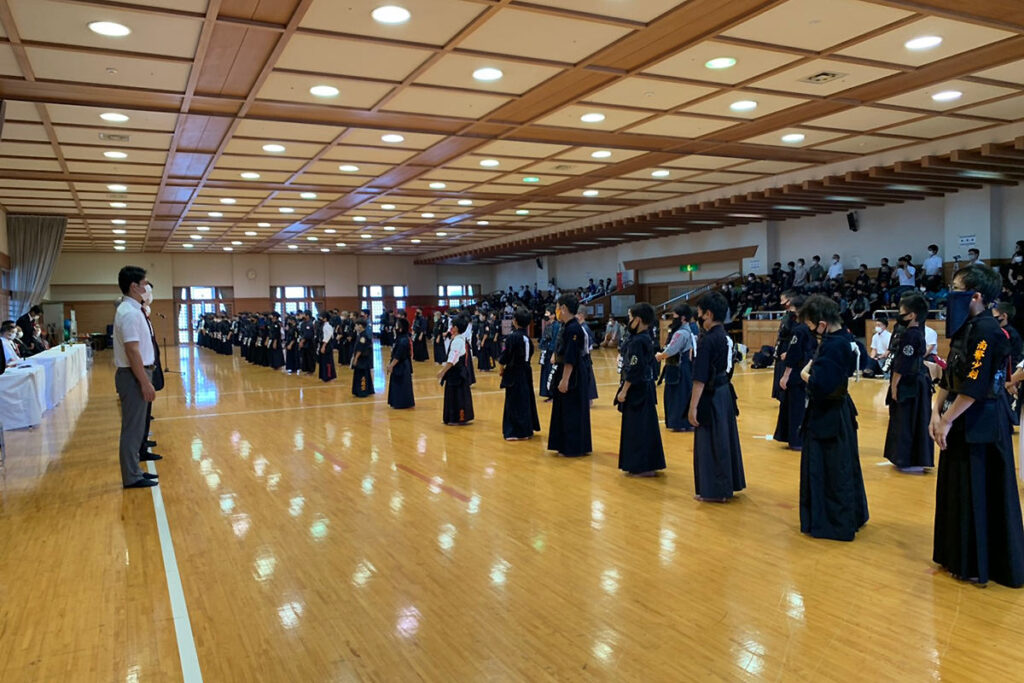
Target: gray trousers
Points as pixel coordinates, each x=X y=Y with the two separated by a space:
x=133 y=423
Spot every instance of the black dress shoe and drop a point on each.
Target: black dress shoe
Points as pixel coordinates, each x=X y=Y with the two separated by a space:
x=147 y=475
x=150 y=444
x=150 y=456
x=141 y=484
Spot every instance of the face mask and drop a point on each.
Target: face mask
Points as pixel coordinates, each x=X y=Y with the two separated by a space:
x=958 y=310
x=1018 y=259
x=879 y=329
x=147 y=296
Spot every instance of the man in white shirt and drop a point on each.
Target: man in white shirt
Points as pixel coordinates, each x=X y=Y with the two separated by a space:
x=8 y=331
x=933 y=269
x=835 y=271
x=134 y=357
x=905 y=272
x=879 y=349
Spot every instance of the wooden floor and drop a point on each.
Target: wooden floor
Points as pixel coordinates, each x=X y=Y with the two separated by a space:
x=324 y=538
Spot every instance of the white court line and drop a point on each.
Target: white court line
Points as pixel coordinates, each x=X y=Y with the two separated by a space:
x=190 y=672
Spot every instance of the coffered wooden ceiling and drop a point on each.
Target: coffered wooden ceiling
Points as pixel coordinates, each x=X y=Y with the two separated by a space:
x=415 y=156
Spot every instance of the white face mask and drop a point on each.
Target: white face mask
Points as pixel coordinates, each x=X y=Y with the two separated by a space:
x=1018 y=259
x=147 y=296
x=879 y=329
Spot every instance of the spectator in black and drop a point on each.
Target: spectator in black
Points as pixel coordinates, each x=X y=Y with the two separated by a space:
x=816 y=273
x=27 y=323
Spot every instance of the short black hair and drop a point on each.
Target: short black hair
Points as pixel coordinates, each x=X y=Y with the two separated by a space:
x=402 y=325
x=684 y=311
x=933 y=246
x=1007 y=309
x=916 y=304
x=459 y=323
x=818 y=309
x=36 y=310
x=982 y=279
x=522 y=317
x=644 y=311
x=7 y=326
x=130 y=275
x=570 y=302
x=714 y=303
x=797 y=300
x=360 y=322
x=972 y=250
x=816 y=257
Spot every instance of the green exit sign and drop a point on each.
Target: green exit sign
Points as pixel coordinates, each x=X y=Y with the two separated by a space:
x=689 y=268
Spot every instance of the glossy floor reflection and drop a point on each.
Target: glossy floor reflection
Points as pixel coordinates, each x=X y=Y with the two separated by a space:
x=321 y=537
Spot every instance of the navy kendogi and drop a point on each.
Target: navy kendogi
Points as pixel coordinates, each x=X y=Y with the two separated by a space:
x=548 y=343
x=569 y=433
x=907 y=442
x=454 y=376
x=307 y=343
x=400 y=394
x=291 y=345
x=794 y=397
x=362 y=362
x=438 y=333
x=519 y=419
x=640 y=448
x=419 y=338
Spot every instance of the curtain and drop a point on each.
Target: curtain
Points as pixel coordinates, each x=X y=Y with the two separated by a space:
x=35 y=242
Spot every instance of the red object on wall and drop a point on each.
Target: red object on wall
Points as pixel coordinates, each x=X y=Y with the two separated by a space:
x=618 y=280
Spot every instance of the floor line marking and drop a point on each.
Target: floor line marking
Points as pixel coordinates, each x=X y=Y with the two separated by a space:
x=454 y=493
x=190 y=672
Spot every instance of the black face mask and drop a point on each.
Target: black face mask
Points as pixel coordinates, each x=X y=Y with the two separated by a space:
x=958 y=311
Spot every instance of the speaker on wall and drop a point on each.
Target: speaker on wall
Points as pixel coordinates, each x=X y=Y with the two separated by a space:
x=540 y=265
x=853 y=221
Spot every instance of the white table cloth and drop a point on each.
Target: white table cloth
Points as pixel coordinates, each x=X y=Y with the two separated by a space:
x=22 y=396
x=64 y=370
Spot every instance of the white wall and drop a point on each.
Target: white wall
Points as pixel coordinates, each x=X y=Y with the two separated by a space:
x=4 y=248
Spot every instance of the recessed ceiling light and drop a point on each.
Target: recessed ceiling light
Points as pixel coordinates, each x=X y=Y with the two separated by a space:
x=324 y=249
x=441 y=234
x=661 y=173
x=490 y=163
x=187 y=245
x=393 y=138
x=465 y=202
x=118 y=221
x=531 y=179
x=785 y=207
x=251 y=233
x=203 y=228
x=923 y=43
x=117 y=188
x=592 y=117
x=743 y=105
x=947 y=96
x=228 y=248
x=389 y=228
x=263 y=225
x=118 y=205
x=522 y=212
x=746 y=215
x=488 y=74
x=313 y=238
x=427 y=215
x=330 y=231
x=273 y=148
x=415 y=241
x=251 y=175
x=601 y=154
x=366 y=236
x=119 y=247
x=227 y=200
x=286 y=209
x=115 y=155
x=388 y=248
x=110 y=29
x=590 y=193
x=720 y=63
x=388 y=207
x=340 y=244
x=214 y=214
x=359 y=219
x=324 y=91
x=237 y=243
x=483 y=222
x=348 y=168
x=119 y=231
x=390 y=14
x=113 y=117
x=195 y=237
x=308 y=195
x=118 y=241
x=793 y=138
x=293 y=246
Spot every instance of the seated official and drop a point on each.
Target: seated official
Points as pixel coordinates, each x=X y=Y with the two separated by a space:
x=879 y=349
x=9 y=335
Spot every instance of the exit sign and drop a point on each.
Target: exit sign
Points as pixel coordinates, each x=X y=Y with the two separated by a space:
x=690 y=268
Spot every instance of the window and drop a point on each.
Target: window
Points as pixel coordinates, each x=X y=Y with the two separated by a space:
x=195 y=302
x=291 y=299
x=375 y=298
x=456 y=296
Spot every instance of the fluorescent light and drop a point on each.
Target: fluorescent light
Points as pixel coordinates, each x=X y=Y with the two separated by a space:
x=743 y=105
x=531 y=179
x=437 y=186
x=465 y=202
x=250 y=175
x=793 y=138
x=490 y=163
x=601 y=154
x=487 y=74
x=113 y=117
x=237 y=243
x=388 y=207
x=415 y=241
x=393 y=138
x=119 y=247
x=366 y=236
x=251 y=233
x=308 y=195
x=330 y=231
x=590 y=193
x=203 y=228
x=388 y=248
x=522 y=212
x=427 y=215
x=293 y=246
x=390 y=14
x=324 y=91
x=483 y=222
x=312 y=238
x=348 y=168
x=118 y=221
x=263 y=225
x=923 y=43
x=273 y=148
x=118 y=241
x=324 y=249
x=117 y=188
x=195 y=237
x=441 y=234
x=187 y=245
x=389 y=228
x=110 y=29
x=285 y=209
x=947 y=96
x=227 y=200
x=720 y=63
x=228 y=248
x=359 y=219
x=214 y=214
x=592 y=117
x=661 y=173
x=119 y=231
x=118 y=205
x=340 y=244
x=115 y=155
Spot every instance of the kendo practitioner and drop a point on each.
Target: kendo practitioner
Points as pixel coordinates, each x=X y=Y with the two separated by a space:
x=348 y=337
x=263 y=359
x=438 y=333
x=362 y=362
x=782 y=339
x=640 y=450
x=833 y=503
x=519 y=420
x=484 y=332
x=386 y=328
x=569 y=433
x=400 y=395
x=454 y=376
x=548 y=343
x=586 y=368
x=419 y=337
x=794 y=391
x=276 y=352
x=307 y=343
x=677 y=371
x=978 y=530
x=291 y=346
x=325 y=348
x=907 y=443
x=468 y=335
x=717 y=458
x=496 y=339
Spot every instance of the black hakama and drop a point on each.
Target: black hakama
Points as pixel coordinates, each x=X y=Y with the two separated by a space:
x=326 y=362
x=678 y=389
x=640 y=448
x=400 y=394
x=569 y=433
x=717 y=457
x=907 y=441
x=793 y=399
x=291 y=358
x=458 y=399
x=362 y=373
x=419 y=343
x=439 y=354
x=520 y=419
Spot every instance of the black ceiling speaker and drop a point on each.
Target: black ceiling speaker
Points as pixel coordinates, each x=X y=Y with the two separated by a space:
x=853 y=221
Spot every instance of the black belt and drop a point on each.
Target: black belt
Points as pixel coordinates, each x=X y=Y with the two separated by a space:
x=148 y=367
